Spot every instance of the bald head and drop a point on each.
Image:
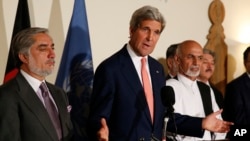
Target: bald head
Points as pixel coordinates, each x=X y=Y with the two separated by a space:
x=188 y=45
x=189 y=58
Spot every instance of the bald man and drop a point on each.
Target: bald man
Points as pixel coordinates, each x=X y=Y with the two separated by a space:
x=192 y=97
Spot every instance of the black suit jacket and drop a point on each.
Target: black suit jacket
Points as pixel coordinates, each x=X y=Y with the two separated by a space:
x=206 y=97
x=118 y=96
x=24 y=117
x=237 y=103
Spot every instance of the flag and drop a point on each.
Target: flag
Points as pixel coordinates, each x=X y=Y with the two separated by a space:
x=75 y=73
x=22 y=21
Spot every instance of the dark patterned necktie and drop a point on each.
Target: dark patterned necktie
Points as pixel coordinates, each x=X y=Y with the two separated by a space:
x=51 y=109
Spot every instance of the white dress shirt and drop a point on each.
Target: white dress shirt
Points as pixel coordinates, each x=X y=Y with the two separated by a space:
x=35 y=84
x=217 y=136
x=188 y=102
x=137 y=62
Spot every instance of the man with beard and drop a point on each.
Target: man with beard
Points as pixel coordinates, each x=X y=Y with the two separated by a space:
x=33 y=109
x=191 y=96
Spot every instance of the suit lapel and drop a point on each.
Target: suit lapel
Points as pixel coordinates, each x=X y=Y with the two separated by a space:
x=129 y=71
x=206 y=97
x=35 y=105
x=133 y=80
x=156 y=76
x=247 y=81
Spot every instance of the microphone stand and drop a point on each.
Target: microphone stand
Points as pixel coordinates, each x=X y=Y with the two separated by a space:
x=153 y=138
x=168 y=136
x=164 y=131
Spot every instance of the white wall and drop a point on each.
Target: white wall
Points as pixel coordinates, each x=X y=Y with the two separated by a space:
x=109 y=24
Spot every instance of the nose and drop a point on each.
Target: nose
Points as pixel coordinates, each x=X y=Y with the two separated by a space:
x=195 y=60
x=209 y=65
x=52 y=53
x=150 y=36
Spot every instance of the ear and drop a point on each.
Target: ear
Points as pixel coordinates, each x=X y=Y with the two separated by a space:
x=169 y=62
x=177 y=59
x=130 y=32
x=23 y=58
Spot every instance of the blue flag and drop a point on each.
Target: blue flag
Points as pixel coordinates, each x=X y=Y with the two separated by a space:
x=75 y=74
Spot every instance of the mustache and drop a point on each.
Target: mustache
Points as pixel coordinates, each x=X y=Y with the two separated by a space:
x=50 y=61
x=194 y=67
x=208 y=70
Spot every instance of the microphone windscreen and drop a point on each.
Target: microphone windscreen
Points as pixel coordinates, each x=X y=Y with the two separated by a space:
x=167 y=96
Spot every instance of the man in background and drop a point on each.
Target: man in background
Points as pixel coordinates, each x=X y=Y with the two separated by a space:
x=206 y=71
x=170 y=61
x=236 y=102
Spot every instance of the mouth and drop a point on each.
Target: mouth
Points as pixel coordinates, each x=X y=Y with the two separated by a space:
x=51 y=62
x=194 y=68
x=146 y=45
x=209 y=70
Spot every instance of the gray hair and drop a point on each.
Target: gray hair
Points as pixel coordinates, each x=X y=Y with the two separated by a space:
x=22 y=42
x=208 y=51
x=146 y=13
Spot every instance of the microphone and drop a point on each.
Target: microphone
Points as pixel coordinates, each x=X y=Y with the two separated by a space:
x=168 y=99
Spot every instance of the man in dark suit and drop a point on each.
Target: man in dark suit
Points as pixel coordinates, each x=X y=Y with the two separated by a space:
x=119 y=108
x=30 y=112
x=170 y=61
x=237 y=101
x=206 y=72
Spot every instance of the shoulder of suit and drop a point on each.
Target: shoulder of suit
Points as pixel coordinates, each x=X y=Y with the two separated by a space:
x=172 y=82
x=238 y=80
x=203 y=85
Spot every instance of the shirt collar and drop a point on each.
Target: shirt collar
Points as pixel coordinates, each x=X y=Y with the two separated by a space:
x=34 y=83
x=186 y=80
x=133 y=55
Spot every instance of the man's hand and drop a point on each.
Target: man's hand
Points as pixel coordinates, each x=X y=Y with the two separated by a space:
x=103 y=133
x=212 y=123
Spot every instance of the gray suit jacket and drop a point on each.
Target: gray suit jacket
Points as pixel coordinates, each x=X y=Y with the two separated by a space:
x=23 y=116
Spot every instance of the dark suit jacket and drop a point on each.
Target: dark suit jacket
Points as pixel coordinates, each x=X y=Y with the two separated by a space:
x=23 y=116
x=119 y=97
x=218 y=97
x=237 y=102
x=206 y=97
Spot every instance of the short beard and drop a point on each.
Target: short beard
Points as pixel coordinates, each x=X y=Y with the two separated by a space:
x=191 y=73
x=36 y=70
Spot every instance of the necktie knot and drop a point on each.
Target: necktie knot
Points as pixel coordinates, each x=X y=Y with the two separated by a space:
x=44 y=89
x=143 y=61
